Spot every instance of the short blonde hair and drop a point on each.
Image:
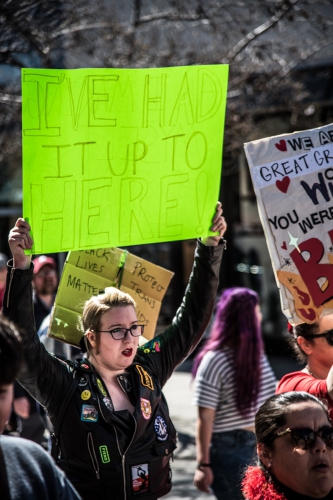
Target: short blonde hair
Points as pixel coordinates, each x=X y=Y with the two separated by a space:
x=97 y=305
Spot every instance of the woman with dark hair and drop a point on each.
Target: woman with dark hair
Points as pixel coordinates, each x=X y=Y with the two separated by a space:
x=295 y=450
x=313 y=346
x=233 y=378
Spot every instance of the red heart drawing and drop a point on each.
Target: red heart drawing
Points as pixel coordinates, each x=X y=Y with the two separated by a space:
x=283 y=185
x=281 y=146
x=284 y=246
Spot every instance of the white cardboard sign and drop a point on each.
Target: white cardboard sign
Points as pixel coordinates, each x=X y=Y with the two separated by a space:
x=292 y=177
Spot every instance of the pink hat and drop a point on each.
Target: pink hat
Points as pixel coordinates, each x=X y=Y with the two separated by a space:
x=43 y=260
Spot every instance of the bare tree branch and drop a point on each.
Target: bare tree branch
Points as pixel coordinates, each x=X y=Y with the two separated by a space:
x=258 y=31
x=295 y=62
x=80 y=27
x=26 y=33
x=8 y=98
x=170 y=16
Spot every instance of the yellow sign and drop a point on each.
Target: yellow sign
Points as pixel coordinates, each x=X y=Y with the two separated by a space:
x=88 y=272
x=117 y=157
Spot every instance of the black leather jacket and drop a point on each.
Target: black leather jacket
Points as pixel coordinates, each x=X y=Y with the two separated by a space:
x=103 y=454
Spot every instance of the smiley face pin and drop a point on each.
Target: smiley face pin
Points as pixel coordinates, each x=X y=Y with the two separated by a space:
x=85 y=395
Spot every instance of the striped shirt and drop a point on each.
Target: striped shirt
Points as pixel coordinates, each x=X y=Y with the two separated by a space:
x=215 y=388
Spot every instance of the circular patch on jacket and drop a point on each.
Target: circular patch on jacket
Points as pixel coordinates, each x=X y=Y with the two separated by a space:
x=85 y=395
x=83 y=381
x=160 y=428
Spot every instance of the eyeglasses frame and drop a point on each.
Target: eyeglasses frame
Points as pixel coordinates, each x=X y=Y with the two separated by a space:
x=126 y=330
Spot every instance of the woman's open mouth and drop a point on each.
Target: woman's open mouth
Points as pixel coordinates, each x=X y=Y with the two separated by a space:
x=127 y=352
x=321 y=467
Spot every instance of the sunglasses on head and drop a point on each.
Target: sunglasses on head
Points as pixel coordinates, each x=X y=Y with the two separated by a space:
x=328 y=335
x=304 y=438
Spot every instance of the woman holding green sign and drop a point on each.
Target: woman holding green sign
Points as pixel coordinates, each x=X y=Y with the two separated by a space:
x=113 y=435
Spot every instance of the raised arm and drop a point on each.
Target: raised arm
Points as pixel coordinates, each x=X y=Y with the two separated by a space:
x=17 y=304
x=41 y=370
x=20 y=240
x=218 y=225
x=193 y=316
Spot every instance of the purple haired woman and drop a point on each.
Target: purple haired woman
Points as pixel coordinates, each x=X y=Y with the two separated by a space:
x=232 y=379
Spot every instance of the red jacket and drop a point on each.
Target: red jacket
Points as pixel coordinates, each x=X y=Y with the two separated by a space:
x=300 y=381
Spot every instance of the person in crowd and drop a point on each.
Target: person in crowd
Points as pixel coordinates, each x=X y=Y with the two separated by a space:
x=33 y=423
x=313 y=346
x=109 y=414
x=295 y=450
x=45 y=284
x=3 y=274
x=27 y=472
x=232 y=379
x=13 y=425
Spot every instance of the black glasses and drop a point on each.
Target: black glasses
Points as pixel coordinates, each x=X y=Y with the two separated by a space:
x=304 y=438
x=328 y=335
x=121 y=333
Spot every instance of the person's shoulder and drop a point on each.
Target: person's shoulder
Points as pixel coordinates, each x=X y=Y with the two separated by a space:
x=22 y=446
x=215 y=356
x=25 y=452
x=288 y=381
x=212 y=361
x=29 y=465
x=29 y=455
x=9 y=440
x=13 y=441
x=297 y=374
